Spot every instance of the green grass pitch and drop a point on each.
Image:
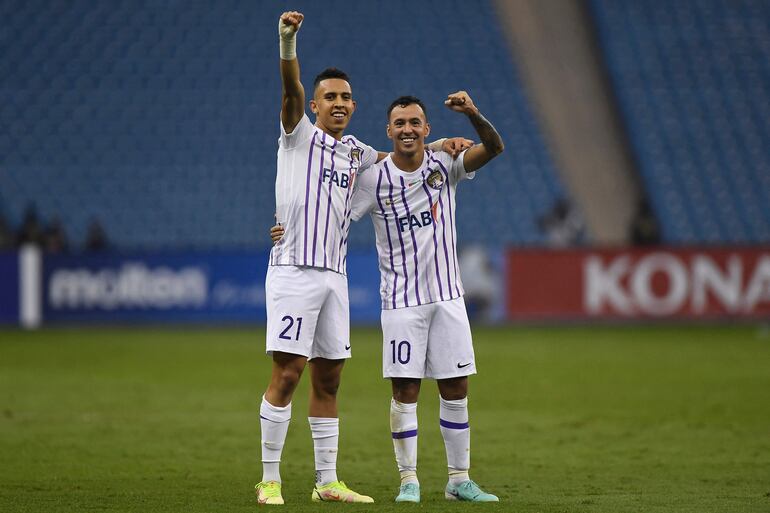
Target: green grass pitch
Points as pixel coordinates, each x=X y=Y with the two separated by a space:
x=616 y=419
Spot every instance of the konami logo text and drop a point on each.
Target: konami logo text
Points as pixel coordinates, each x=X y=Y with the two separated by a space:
x=662 y=283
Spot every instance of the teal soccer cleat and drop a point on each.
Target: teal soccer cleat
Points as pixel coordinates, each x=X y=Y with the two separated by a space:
x=409 y=492
x=468 y=491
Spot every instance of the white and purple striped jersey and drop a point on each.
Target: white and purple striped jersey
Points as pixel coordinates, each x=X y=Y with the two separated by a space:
x=414 y=222
x=313 y=195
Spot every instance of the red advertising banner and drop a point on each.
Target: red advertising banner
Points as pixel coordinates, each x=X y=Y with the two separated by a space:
x=661 y=283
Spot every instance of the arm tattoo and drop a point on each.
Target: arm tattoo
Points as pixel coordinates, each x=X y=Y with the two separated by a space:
x=487 y=133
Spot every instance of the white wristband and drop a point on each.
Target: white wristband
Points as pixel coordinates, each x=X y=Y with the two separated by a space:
x=288 y=48
x=288 y=41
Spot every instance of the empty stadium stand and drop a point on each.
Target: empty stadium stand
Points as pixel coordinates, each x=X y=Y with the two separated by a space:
x=161 y=118
x=693 y=82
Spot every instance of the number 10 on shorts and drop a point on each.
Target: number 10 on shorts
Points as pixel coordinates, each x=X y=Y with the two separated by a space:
x=401 y=351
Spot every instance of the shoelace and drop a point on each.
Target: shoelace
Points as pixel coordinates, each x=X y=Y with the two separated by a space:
x=342 y=485
x=472 y=487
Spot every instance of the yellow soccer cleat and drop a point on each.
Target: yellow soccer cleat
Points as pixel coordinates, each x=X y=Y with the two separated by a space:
x=337 y=491
x=269 y=492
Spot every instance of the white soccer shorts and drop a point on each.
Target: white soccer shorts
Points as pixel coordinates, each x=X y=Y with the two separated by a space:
x=427 y=341
x=307 y=312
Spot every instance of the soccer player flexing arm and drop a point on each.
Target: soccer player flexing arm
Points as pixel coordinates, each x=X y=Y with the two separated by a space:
x=306 y=287
x=411 y=198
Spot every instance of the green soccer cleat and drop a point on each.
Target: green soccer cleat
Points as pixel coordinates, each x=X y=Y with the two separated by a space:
x=269 y=492
x=409 y=492
x=337 y=491
x=468 y=491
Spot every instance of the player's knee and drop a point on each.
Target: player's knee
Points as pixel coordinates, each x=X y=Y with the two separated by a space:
x=406 y=390
x=407 y=396
x=453 y=389
x=286 y=380
x=326 y=385
x=453 y=395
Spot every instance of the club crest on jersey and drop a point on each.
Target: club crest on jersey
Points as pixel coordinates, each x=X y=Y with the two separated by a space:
x=435 y=179
x=355 y=155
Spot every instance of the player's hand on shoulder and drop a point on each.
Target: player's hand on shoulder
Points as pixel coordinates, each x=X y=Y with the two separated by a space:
x=461 y=102
x=456 y=145
x=289 y=23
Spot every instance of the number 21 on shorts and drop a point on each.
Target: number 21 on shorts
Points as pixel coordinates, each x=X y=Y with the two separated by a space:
x=402 y=351
x=286 y=334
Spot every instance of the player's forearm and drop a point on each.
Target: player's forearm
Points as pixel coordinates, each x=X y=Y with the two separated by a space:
x=436 y=145
x=488 y=135
x=288 y=26
x=292 y=94
x=290 y=78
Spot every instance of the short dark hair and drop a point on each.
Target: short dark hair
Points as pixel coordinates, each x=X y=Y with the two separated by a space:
x=330 y=73
x=403 y=101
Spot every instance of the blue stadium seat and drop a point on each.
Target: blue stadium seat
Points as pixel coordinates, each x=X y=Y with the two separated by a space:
x=161 y=118
x=693 y=80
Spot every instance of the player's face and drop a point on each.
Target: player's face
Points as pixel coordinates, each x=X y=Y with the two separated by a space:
x=408 y=128
x=333 y=105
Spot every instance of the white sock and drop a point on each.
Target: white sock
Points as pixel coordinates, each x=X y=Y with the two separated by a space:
x=274 y=421
x=453 y=418
x=403 y=427
x=409 y=476
x=326 y=435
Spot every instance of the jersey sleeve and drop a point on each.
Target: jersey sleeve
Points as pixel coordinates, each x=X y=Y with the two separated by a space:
x=364 y=196
x=456 y=167
x=369 y=157
x=301 y=132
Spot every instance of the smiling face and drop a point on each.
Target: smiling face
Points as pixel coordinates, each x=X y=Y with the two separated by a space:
x=333 y=106
x=408 y=128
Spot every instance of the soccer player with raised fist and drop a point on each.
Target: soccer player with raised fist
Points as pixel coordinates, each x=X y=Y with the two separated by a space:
x=306 y=286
